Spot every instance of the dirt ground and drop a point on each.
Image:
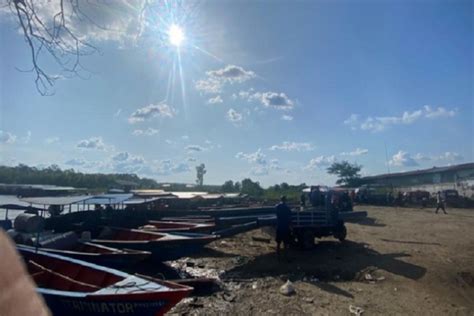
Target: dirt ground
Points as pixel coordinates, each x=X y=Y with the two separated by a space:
x=400 y=261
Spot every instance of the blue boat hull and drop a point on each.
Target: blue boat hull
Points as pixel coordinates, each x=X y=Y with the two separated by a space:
x=77 y=306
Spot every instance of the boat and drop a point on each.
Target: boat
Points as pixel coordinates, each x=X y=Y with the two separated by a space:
x=163 y=246
x=172 y=226
x=75 y=287
x=99 y=254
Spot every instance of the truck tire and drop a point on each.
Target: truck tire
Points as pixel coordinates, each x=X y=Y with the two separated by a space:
x=306 y=239
x=341 y=232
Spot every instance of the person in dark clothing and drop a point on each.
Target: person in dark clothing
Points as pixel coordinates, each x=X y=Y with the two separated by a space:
x=440 y=203
x=283 y=214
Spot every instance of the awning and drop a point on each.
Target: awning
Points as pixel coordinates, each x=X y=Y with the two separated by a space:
x=108 y=199
x=55 y=200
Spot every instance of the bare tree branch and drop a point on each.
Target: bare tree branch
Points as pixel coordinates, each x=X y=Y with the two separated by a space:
x=52 y=36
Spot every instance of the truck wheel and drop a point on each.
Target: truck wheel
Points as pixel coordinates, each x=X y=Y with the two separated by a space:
x=341 y=233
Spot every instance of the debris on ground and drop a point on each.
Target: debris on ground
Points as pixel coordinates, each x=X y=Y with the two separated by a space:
x=356 y=310
x=287 y=288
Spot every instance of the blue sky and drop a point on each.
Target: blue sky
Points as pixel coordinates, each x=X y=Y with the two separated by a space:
x=271 y=90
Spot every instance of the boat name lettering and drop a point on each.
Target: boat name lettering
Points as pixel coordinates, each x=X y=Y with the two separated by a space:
x=111 y=308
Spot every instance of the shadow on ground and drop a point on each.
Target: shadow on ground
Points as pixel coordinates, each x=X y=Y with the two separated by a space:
x=367 y=221
x=327 y=261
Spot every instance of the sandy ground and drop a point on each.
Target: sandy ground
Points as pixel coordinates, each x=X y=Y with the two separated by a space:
x=400 y=261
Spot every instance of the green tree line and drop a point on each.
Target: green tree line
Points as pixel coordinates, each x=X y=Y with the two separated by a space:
x=53 y=175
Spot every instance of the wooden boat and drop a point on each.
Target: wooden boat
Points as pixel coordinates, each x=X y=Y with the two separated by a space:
x=163 y=246
x=172 y=226
x=74 y=287
x=101 y=255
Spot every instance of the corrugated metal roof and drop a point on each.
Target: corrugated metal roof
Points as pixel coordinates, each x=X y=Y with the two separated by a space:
x=212 y=196
x=151 y=192
x=189 y=195
x=423 y=171
x=108 y=198
x=55 y=200
x=137 y=201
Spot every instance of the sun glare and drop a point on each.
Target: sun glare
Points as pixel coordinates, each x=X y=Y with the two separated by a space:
x=175 y=35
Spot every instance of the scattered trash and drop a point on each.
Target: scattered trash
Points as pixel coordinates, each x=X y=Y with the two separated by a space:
x=229 y=297
x=254 y=286
x=395 y=289
x=287 y=288
x=355 y=310
x=308 y=300
x=372 y=279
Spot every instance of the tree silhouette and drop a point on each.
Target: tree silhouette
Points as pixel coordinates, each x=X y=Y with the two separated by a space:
x=200 y=172
x=347 y=173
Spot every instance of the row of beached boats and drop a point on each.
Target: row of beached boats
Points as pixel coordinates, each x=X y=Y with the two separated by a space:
x=78 y=276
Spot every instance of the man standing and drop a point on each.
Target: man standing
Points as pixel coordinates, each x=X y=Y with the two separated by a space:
x=440 y=203
x=283 y=214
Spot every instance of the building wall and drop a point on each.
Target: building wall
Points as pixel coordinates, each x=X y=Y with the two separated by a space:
x=460 y=180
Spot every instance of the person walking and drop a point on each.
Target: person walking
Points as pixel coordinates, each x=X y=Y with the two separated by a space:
x=283 y=214
x=440 y=203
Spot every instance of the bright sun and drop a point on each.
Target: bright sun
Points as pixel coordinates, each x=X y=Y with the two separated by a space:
x=175 y=35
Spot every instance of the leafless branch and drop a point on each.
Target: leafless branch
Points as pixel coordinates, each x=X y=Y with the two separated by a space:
x=52 y=36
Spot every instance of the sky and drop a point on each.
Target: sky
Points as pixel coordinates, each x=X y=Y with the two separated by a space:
x=271 y=90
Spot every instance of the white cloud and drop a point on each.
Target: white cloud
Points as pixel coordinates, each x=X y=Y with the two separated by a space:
x=27 y=138
x=191 y=159
x=209 y=85
x=150 y=111
x=256 y=157
x=450 y=156
x=52 y=140
x=356 y=152
x=320 y=161
x=6 y=137
x=231 y=73
x=287 y=117
x=128 y=163
x=117 y=113
x=352 y=121
x=76 y=162
x=447 y=156
x=260 y=170
x=97 y=20
x=216 y=79
x=403 y=159
x=168 y=167
x=276 y=100
x=293 y=146
x=269 y=99
x=91 y=143
x=438 y=112
x=194 y=148
x=421 y=157
x=380 y=123
x=215 y=100
x=234 y=116
x=145 y=132
x=121 y=156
